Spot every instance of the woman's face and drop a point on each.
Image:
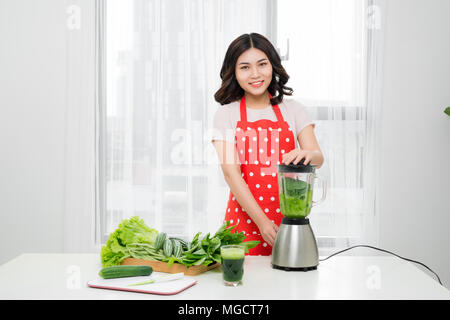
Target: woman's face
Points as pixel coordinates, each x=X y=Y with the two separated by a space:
x=252 y=67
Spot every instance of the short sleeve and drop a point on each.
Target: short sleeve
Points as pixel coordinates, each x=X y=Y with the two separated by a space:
x=222 y=125
x=302 y=118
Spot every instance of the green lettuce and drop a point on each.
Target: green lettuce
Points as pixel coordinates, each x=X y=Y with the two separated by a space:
x=133 y=230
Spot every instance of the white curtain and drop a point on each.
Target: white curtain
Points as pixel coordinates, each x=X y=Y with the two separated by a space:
x=162 y=70
x=376 y=26
x=163 y=64
x=81 y=223
x=333 y=60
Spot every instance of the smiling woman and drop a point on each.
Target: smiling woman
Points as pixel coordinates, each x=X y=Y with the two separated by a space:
x=244 y=56
x=265 y=130
x=254 y=77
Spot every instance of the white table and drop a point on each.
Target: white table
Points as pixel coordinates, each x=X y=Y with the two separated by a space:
x=64 y=276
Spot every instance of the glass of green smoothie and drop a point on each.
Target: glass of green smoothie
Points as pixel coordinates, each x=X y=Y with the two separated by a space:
x=232 y=264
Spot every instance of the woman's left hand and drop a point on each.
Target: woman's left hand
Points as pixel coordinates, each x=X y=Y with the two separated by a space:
x=297 y=154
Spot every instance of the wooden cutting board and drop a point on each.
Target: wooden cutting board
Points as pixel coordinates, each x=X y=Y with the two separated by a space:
x=174 y=268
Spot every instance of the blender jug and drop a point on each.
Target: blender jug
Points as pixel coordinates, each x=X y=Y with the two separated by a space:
x=295 y=185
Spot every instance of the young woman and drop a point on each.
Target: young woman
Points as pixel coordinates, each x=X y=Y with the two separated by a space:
x=254 y=131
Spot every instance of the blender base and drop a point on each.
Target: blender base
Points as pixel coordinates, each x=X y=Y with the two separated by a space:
x=304 y=269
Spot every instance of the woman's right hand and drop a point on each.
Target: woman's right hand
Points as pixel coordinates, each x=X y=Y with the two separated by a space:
x=268 y=231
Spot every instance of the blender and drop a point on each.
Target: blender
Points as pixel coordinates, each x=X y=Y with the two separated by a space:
x=295 y=247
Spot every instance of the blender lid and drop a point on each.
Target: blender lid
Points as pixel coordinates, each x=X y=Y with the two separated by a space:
x=300 y=167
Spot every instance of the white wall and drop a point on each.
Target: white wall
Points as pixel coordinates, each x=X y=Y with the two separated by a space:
x=39 y=93
x=415 y=138
x=32 y=100
x=47 y=107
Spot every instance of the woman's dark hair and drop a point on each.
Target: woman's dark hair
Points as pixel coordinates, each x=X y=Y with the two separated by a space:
x=230 y=90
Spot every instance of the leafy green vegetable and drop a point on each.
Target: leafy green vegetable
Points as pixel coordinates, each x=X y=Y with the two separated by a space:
x=447 y=111
x=294 y=187
x=207 y=250
x=131 y=231
x=135 y=239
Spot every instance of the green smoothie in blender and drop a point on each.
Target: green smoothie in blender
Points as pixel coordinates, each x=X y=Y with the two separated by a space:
x=295 y=198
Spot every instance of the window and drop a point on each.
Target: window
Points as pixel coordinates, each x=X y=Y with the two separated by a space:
x=162 y=70
x=323 y=44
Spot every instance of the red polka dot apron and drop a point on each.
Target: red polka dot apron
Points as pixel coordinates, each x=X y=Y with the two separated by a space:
x=260 y=146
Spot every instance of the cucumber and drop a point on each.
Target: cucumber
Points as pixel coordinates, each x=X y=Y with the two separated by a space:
x=184 y=243
x=168 y=247
x=160 y=238
x=125 y=271
x=177 y=248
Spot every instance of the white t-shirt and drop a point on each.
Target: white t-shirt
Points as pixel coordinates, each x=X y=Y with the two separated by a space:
x=227 y=116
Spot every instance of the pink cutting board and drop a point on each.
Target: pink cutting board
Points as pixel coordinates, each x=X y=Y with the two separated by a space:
x=164 y=288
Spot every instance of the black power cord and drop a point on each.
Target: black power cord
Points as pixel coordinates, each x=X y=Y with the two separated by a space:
x=366 y=246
